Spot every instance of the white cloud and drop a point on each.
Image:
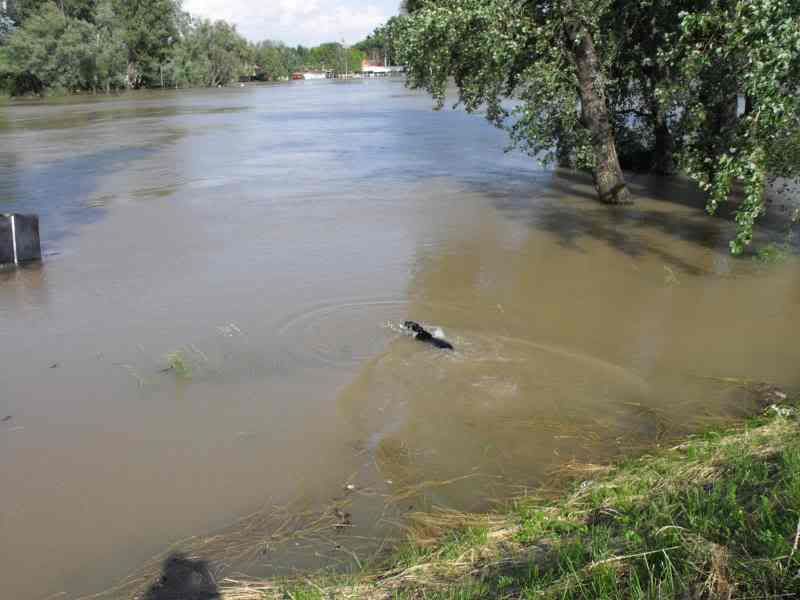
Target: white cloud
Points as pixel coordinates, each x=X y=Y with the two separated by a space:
x=308 y=22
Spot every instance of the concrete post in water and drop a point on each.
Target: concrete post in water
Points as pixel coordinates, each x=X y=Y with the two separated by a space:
x=19 y=239
x=6 y=241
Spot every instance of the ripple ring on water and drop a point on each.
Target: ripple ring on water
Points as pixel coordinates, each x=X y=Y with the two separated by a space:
x=341 y=333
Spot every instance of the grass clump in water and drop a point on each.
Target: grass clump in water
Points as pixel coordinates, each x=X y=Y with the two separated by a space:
x=178 y=364
x=773 y=253
x=716 y=517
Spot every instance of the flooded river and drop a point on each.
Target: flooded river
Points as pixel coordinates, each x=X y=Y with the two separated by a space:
x=266 y=243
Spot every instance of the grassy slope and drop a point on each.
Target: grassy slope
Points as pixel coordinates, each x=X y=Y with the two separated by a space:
x=716 y=517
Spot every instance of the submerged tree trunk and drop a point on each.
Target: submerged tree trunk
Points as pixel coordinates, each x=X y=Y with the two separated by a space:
x=609 y=180
x=663 y=158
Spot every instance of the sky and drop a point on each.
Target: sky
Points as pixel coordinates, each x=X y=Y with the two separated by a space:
x=307 y=22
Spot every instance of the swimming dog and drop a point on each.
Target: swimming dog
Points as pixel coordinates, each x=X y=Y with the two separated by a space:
x=424 y=336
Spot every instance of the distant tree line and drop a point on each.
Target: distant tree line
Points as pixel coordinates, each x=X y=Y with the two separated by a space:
x=63 y=46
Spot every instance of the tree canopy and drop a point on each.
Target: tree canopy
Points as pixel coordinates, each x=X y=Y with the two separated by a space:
x=731 y=49
x=150 y=30
x=21 y=10
x=210 y=54
x=51 y=48
x=92 y=45
x=545 y=56
x=655 y=82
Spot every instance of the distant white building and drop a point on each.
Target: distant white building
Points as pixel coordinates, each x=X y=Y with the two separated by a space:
x=369 y=69
x=300 y=75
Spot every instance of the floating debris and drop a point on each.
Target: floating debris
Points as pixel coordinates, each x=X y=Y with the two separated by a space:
x=344 y=518
x=229 y=330
x=670 y=277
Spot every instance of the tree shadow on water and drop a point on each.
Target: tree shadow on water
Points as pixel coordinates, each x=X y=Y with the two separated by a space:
x=667 y=220
x=184 y=578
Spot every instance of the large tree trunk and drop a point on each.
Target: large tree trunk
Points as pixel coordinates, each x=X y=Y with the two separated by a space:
x=609 y=180
x=132 y=78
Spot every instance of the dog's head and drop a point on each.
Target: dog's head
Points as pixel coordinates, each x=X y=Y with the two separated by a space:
x=412 y=326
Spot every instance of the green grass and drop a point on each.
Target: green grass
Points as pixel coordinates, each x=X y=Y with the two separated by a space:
x=730 y=529
x=303 y=593
x=717 y=517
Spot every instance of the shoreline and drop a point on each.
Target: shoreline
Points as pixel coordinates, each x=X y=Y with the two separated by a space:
x=710 y=517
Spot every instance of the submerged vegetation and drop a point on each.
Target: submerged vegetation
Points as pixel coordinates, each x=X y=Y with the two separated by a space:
x=715 y=517
x=178 y=364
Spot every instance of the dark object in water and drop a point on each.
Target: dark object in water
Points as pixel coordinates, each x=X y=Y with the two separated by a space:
x=344 y=518
x=184 y=578
x=19 y=239
x=6 y=419
x=424 y=336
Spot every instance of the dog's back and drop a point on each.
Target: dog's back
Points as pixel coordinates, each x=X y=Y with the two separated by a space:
x=424 y=336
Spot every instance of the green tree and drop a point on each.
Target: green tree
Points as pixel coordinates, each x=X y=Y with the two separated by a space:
x=275 y=60
x=350 y=60
x=410 y=6
x=151 y=29
x=19 y=10
x=211 y=54
x=111 y=53
x=301 y=54
x=379 y=46
x=325 y=56
x=7 y=28
x=546 y=55
x=725 y=49
x=77 y=9
x=51 y=51
x=333 y=56
x=574 y=80
x=635 y=33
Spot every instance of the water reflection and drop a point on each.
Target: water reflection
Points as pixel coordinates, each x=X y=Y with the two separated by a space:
x=24 y=288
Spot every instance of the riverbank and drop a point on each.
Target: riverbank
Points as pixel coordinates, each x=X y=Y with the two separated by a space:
x=713 y=517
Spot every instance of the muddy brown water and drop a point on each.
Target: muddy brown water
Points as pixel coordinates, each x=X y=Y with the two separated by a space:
x=272 y=238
